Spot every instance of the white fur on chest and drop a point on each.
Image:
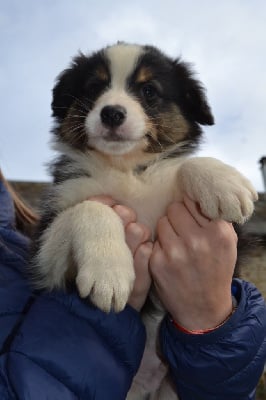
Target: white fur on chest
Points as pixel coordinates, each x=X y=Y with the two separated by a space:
x=148 y=193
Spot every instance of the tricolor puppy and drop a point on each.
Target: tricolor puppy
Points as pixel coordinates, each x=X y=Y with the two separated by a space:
x=126 y=120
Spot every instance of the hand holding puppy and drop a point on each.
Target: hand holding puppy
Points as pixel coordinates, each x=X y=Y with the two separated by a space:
x=192 y=265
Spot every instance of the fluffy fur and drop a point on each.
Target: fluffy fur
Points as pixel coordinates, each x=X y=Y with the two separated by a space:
x=126 y=119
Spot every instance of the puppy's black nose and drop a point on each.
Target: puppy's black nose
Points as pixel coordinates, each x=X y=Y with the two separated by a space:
x=113 y=116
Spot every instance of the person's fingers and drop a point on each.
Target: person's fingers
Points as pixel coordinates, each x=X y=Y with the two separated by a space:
x=136 y=233
x=196 y=213
x=126 y=214
x=166 y=235
x=143 y=279
x=181 y=220
x=157 y=260
x=224 y=232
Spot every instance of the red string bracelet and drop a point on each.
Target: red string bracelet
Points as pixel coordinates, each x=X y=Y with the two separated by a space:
x=201 y=331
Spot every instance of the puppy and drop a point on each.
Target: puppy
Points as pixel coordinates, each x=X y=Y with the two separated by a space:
x=127 y=118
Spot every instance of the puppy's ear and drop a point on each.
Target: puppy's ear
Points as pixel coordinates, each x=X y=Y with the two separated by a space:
x=191 y=95
x=69 y=86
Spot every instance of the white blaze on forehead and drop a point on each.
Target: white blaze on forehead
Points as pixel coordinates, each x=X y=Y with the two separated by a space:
x=123 y=59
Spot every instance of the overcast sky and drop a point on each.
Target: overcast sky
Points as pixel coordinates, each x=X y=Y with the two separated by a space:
x=226 y=42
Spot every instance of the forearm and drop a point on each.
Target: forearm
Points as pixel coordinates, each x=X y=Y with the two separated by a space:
x=226 y=363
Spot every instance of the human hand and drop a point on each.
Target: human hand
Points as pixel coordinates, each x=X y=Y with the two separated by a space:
x=137 y=237
x=192 y=265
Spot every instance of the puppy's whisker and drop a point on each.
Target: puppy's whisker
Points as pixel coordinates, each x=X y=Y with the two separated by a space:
x=83 y=105
x=76 y=116
x=155 y=140
x=80 y=110
x=156 y=122
x=76 y=128
x=170 y=140
x=61 y=108
x=161 y=125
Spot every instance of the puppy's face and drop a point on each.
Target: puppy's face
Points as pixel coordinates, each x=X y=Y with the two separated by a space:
x=129 y=99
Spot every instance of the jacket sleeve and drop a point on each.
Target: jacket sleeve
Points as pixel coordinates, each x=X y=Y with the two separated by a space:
x=66 y=348
x=226 y=363
x=14 y=290
x=56 y=346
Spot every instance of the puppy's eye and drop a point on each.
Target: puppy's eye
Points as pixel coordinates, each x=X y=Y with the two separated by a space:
x=149 y=91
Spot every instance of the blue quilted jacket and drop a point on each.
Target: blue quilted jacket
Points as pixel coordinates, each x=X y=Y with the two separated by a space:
x=57 y=347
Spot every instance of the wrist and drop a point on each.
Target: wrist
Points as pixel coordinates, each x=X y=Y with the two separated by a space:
x=204 y=319
x=205 y=325
x=202 y=331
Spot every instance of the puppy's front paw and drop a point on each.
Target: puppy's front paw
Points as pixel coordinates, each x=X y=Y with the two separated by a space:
x=221 y=191
x=108 y=279
x=105 y=270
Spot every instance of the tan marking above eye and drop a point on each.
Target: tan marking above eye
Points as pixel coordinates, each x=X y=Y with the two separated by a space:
x=102 y=74
x=144 y=75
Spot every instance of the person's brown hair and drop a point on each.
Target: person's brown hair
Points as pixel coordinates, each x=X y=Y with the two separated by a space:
x=26 y=218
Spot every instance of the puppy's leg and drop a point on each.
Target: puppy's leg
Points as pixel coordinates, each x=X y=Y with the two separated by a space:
x=53 y=257
x=103 y=259
x=221 y=191
x=92 y=235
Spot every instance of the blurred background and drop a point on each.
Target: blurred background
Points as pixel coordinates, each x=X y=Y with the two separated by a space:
x=225 y=41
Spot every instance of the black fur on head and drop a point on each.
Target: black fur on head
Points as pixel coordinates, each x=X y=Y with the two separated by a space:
x=173 y=102
x=71 y=83
x=191 y=95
